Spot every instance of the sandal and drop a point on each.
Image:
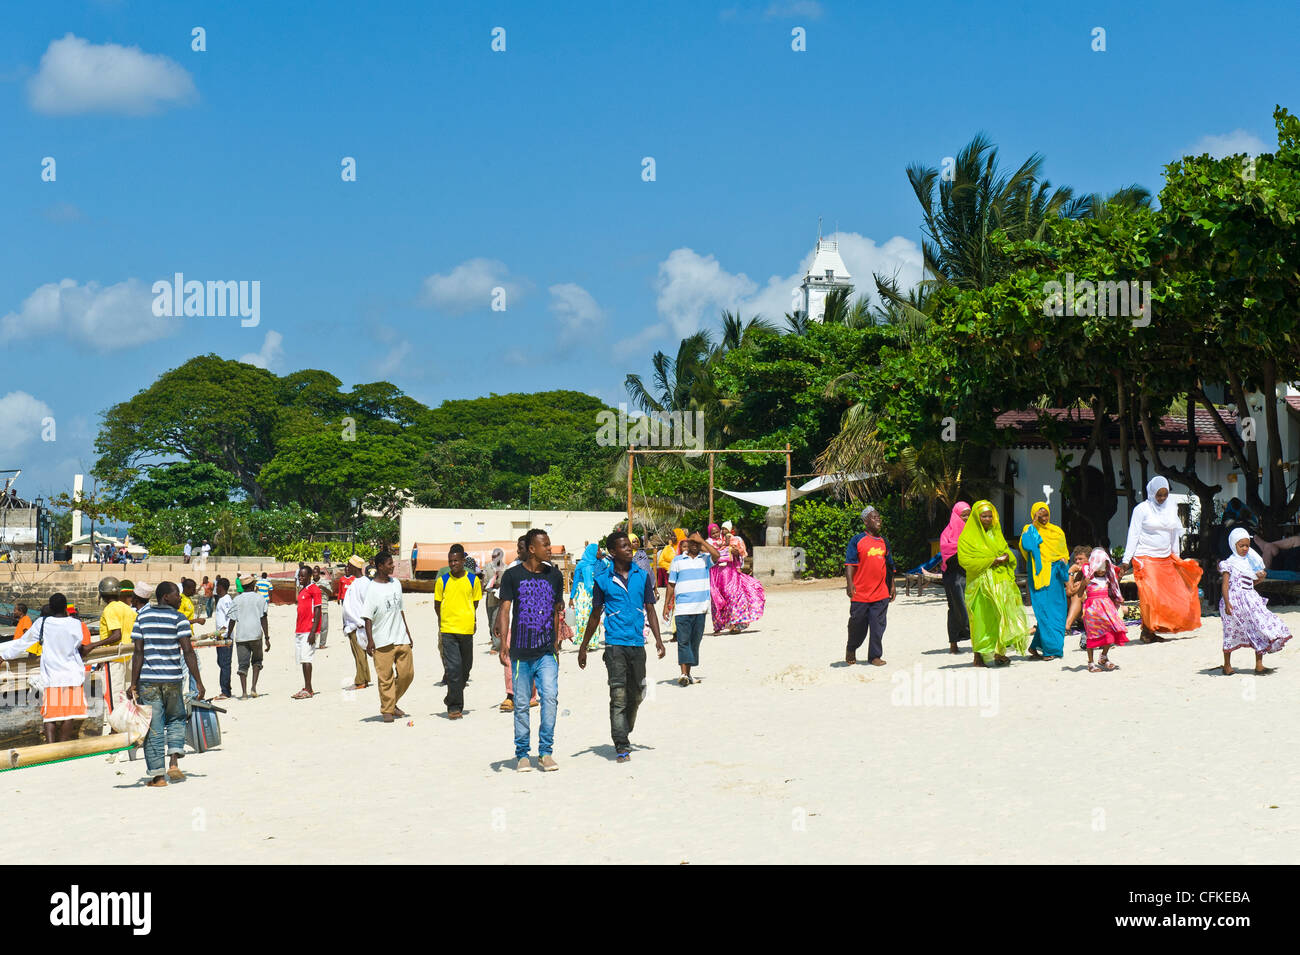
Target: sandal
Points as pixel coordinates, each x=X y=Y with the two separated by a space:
x=301 y=695
x=1108 y=665
x=1093 y=668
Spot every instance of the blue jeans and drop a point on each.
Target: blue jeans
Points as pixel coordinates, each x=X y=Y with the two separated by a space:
x=545 y=671
x=167 y=726
x=690 y=633
x=223 y=662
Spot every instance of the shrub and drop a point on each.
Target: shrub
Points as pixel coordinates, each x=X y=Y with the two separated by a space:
x=314 y=551
x=824 y=528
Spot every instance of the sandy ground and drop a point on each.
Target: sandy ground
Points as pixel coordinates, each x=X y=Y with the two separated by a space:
x=781 y=754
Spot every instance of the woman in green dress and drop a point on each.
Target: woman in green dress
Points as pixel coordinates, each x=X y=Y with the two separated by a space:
x=997 y=615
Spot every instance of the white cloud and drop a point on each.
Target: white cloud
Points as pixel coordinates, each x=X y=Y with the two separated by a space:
x=20 y=419
x=76 y=76
x=575 y=308
x=101 y=319
x=693 y=288
x=468 y=287
x=1230 y=144
x=269 y=355
x=638 y=343
x=391 y=362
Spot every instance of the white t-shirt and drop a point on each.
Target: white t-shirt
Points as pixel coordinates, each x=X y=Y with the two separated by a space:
x=205 y=550
x=221 y=615
x=247 y=610
x=60 y=637
x=383 y=608
x=354 y=602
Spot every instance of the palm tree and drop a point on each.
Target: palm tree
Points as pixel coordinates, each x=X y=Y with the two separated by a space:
x=1124 y=199
x=677 y=381
x=962 y=211
x=797 y=322
x=736 y=332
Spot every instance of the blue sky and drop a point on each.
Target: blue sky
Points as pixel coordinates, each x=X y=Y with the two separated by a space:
x=522 y=169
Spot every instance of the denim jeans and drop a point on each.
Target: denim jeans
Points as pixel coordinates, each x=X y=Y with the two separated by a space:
x=167 y=725
x=626 y=667
x=690 y=633
x=546 y=672
x=223 y=662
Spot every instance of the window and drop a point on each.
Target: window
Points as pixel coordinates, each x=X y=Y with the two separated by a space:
x=482 y=529
x=455 y=528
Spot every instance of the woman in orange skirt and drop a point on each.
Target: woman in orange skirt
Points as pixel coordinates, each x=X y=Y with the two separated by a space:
x=1166 y=583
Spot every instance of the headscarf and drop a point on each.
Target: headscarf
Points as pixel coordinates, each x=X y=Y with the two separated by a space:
x=1157 y=483
x=728 y=526
x=495 y=567
x=1246 y=566
x=668 y=552
x=1049 y=542
x=948 y=539
x=715 y=530
x=585 y=569
x=977 y=548
x=1098 y=559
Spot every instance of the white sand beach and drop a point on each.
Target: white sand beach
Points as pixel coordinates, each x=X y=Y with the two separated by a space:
x=781 y=754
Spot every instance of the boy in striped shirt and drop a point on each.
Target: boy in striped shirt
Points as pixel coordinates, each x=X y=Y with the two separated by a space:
x=689 y=595
x=161 y=635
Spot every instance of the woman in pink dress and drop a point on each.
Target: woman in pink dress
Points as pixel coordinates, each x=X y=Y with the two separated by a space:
x=1101 y=618
x=738 y=598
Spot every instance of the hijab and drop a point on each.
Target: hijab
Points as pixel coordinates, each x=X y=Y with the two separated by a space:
x=977 y=548
x=1042 y=546
x=585 y=569
x=1098 y=560
x=948 y=539
x=496 y=566
x=1245 y=566
x=1157 y=483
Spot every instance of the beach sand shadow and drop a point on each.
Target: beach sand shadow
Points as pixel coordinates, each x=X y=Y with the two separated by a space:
x=1236 y=671
x=607 y=751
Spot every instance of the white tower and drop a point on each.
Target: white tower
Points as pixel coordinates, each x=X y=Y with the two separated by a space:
x=826 y=274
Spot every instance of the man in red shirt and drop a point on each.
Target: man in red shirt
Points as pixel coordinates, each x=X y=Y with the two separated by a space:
x=307 y=629
x=869 y=578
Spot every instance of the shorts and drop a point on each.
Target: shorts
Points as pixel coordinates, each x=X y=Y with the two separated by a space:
x=63 y=703
x=303 y=651
x=249 y=652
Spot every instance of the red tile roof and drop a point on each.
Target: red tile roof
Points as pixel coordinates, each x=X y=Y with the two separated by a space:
x=1172 y=432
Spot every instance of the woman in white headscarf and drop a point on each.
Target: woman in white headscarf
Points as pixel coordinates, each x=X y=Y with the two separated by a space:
x=1166 y=583
x=1247 y=621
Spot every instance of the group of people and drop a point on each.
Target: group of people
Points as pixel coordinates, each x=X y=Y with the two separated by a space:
x=1065 y=587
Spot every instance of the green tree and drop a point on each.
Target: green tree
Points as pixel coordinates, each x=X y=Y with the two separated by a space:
x=182 y=484
x=324 y=472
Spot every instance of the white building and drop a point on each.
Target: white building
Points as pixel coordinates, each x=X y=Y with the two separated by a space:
x=826 y=274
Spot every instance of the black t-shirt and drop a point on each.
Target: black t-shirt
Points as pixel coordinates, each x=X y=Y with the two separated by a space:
x=535 y=598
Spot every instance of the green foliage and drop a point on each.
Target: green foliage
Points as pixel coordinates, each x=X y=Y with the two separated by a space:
x=314 y=551
x=182 y=484
x=328 y=468
x=232 y=529
x=824 y=528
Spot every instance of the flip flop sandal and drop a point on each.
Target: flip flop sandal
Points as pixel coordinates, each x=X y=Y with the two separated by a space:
x=302 y=695
x=1111 y=666
x=1093 y=668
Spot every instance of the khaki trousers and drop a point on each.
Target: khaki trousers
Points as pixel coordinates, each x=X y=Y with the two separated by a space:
x=395 y=669
x=359 y=655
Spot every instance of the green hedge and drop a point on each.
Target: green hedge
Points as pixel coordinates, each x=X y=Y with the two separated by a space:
x=824 y=528
x=314 y=551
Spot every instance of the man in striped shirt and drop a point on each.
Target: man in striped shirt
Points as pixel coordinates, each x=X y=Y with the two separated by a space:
x=689 y=596
x=161 y=635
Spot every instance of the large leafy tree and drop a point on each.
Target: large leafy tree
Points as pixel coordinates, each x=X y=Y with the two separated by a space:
x=324 y=471
x=182 y=484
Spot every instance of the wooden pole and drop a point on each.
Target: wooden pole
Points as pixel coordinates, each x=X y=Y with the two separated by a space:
x=711 y=453
x=631 y=463
x=785 y=535
x=46 y=752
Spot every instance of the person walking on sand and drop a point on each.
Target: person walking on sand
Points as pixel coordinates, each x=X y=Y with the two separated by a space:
x=64 y=646
x=626 y=597
x=1166 y=583
x=1247 y=621
x=1042 y=544
x=322 y=579
x=352 y=593
x=688 y=600
x=307 y=629
x=456 y=597
x=163 y=654
x=531 y=623
x=997 y=616
x=221 y=630
x=508 y=704
x=247 y=626
x=869 y=579
x=1101 y=617
x=954 y=578
x=492 y=572
x=388 y=637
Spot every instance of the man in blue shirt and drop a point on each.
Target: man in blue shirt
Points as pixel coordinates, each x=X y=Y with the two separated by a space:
x=626 y=595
